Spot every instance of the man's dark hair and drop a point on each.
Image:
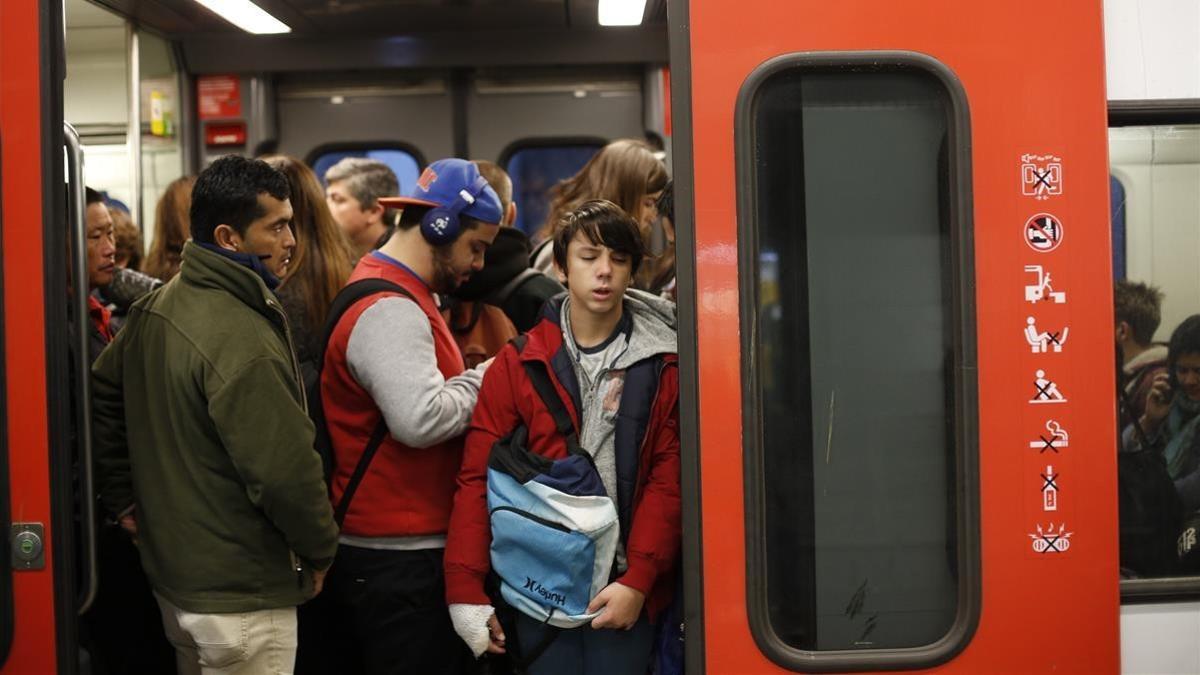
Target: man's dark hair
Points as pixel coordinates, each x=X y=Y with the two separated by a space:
x=93 y=197
x=604 y=224
x=227 y=193
x=1140 y=306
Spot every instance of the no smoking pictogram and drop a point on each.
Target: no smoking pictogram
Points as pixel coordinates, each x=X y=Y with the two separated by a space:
x=1043 y=232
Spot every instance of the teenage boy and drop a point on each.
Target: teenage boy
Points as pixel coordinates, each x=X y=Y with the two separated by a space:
x=391 y=358
x=204 y=450
x=596 y=341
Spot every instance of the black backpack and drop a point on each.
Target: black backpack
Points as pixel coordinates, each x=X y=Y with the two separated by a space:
x=322 y=443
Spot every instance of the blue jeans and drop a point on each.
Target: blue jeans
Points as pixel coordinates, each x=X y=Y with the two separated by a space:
x=587 y=651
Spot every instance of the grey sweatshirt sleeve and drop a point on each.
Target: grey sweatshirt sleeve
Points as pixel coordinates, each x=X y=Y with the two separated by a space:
x=391 y=354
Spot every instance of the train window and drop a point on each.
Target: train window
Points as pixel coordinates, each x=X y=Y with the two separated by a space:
x=536 y=166
x=405 y=160
x=859 y=369
x=1156 y=302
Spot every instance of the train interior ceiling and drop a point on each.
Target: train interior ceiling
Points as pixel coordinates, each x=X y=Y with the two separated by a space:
x=538 y=85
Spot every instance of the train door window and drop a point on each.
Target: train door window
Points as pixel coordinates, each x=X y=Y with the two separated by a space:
x=403 y=159
x=860 y=397
x=161 y=141
x=1157 y=323
x=96 y=97
x=536 y=166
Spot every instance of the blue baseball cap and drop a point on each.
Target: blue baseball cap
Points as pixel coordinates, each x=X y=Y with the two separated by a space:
x=447 y=181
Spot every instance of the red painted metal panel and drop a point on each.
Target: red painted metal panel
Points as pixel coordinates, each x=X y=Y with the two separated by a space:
x=21 y=132
x=1034 y=79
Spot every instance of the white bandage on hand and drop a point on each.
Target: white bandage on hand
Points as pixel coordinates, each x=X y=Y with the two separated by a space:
x=471 y=624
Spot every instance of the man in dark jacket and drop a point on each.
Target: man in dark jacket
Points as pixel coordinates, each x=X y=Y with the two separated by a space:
x=203 y=445
x=610 y=352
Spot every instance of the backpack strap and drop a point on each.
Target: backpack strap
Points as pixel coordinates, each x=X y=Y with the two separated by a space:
x=345 y=299
x=520 y=341
x=536 y=371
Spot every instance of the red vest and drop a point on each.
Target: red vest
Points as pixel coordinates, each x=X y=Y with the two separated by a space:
x=406 y=491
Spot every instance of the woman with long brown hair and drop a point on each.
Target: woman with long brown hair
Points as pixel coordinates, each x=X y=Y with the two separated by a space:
x=625 y=172
x=320 y=264
x=172 y=227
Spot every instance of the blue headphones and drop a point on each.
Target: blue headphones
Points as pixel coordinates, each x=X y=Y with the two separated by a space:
x=442 y=224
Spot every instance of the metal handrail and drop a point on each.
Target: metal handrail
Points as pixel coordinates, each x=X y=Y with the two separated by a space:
x=76 y=210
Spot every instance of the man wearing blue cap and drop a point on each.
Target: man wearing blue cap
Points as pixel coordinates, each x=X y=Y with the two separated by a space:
x=391 y=365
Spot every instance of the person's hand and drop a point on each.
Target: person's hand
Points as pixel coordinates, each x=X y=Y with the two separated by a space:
x=495 y=635
x=622 y=606
x=478 y=627
x=318 y=581
x=1158 y=402
x=128 y=522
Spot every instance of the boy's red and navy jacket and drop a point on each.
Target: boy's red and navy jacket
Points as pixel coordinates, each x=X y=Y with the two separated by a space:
x=407 y=491
x=647 y=454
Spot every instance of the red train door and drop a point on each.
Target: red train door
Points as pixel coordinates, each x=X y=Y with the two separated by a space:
x=31 y=203
x=902 y=346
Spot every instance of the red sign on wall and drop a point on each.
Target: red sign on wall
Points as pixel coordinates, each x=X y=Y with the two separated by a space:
x=217 y=135
x=218 y=96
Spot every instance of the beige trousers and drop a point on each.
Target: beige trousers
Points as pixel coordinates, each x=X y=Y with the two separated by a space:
x=246 y=643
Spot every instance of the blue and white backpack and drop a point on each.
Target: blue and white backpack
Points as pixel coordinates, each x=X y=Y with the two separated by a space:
x=554 y=528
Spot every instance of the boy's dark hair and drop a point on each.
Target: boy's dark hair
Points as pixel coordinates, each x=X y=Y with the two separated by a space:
x=1140 y=306
x=604 y=224
x=92 y=197
x=227 y=193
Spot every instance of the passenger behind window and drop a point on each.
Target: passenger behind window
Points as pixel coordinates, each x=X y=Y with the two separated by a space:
x=353 y=189
x=1168 y=431
x=1172 y=414
x=320 y=265
x=172 y=228
x=1138 y=311
x=624 y=172
x=506 y=296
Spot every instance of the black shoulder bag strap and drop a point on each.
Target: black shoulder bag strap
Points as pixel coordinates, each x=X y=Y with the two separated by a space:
x=346 y=298
x=562 y=419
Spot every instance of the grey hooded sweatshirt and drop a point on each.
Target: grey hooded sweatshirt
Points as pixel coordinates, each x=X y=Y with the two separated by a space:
x=646 y=329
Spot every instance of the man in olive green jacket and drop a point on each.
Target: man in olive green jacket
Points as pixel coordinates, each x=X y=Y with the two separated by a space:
x=203 y=445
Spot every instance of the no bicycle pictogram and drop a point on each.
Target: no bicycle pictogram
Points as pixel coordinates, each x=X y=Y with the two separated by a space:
x=1043 y=232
